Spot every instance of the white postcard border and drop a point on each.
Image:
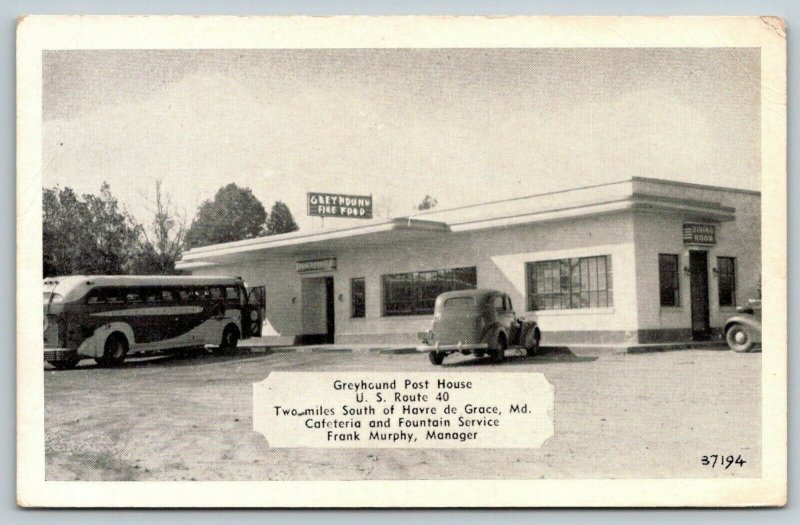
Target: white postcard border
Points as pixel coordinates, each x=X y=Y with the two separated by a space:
x=37 y=33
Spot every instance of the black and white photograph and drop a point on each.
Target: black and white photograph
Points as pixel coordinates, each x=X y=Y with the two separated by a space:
x=395 y=255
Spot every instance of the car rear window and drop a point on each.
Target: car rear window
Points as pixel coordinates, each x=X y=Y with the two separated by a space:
x=460 y=303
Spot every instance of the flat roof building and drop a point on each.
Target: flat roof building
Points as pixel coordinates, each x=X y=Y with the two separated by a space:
x=635 y=261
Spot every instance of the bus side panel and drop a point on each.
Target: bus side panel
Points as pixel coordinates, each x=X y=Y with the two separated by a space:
x=208 y=332
x=95 y=345
x=156 y=323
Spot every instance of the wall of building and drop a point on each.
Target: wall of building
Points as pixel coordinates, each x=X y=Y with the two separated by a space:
x=663 y=233
x=632 y=239
x=499 y=255
x=283 y=290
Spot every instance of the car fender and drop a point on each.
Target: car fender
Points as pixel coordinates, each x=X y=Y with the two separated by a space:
x=527 y=326
x=492 y=332
x=746 y=320
x=95 y=345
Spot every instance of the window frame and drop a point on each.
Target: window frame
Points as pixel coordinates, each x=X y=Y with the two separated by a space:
x=363 y=295
x=732 y=279
x=676 y=290
x=418 y=290
x=568 y=282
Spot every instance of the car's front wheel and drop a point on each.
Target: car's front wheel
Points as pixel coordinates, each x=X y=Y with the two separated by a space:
x=739 y=338
x=436 y=358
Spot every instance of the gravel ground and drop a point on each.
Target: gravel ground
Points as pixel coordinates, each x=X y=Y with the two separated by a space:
x=617 y=416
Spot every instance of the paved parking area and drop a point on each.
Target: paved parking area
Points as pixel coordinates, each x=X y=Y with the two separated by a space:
x=188 y=417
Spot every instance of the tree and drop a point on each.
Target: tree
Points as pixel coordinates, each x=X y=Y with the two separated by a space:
x=163 y=243
x=88 y=234
x=427 y=203
x=234 y=214
x=280 y=220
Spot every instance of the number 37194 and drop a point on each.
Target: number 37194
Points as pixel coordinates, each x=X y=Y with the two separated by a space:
x=722 y=461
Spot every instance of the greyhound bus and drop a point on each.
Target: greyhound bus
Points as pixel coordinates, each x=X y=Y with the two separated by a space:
x=111 y=317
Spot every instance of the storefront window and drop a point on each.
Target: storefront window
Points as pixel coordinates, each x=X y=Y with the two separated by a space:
x=415 y=293
x=563 y=284
x=668 y=275
x=726 y=268
x=358 y=297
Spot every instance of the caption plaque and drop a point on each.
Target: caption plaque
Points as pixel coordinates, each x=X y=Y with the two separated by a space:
x=404 y=410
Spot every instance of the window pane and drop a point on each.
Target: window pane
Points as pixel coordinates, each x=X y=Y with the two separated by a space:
x=464 y=304
x=357 y=297
x=602 y=283
x=114 y=296
x=669 y=289
x=498 y=303
x=415 y=293
x=726 y=280
x=569 y=283
x=96 y=297
x=584 y=275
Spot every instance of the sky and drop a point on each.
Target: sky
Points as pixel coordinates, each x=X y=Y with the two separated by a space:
x=463 y=125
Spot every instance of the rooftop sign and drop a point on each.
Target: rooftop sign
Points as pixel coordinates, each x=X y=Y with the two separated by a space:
x=339 y=205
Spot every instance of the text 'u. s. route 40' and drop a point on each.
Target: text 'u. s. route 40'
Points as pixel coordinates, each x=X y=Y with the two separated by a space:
x=404 y=410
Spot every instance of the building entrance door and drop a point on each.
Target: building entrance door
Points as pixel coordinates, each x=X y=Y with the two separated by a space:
x=698 y=287
x=318 y=312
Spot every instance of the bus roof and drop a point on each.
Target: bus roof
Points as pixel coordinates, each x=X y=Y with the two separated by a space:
x=73 y=287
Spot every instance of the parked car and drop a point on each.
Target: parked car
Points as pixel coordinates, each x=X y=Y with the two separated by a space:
x=743 y=330
x=479 y=322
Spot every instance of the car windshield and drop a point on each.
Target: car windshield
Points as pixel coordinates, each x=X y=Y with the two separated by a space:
x=462 y=304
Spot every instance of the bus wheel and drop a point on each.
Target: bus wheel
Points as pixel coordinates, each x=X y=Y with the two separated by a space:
x=114 y=352
x=230 y=338
x=66 y=364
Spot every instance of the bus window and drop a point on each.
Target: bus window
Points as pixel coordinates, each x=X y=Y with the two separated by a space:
x=133 y=296
x=114 y=296
x=96 y=296
x=231 y=294
x=215 y=293
x=258 y=296
x=151 y=295
x=167 y=295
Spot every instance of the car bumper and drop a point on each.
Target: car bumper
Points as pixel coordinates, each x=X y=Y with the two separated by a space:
x=59 y=354
x=458 y=347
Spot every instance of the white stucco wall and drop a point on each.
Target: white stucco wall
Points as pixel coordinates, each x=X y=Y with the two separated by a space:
x=663 y=233
x=633 y=240
x=499 y=255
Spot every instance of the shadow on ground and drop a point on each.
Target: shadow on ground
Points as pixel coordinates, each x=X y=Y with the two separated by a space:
x=552 y=354
x=190 y=357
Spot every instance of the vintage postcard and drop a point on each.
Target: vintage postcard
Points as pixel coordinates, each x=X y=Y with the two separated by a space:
x=401 y=261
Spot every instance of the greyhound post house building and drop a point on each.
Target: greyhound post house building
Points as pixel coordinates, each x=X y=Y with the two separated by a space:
x=636 y=261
